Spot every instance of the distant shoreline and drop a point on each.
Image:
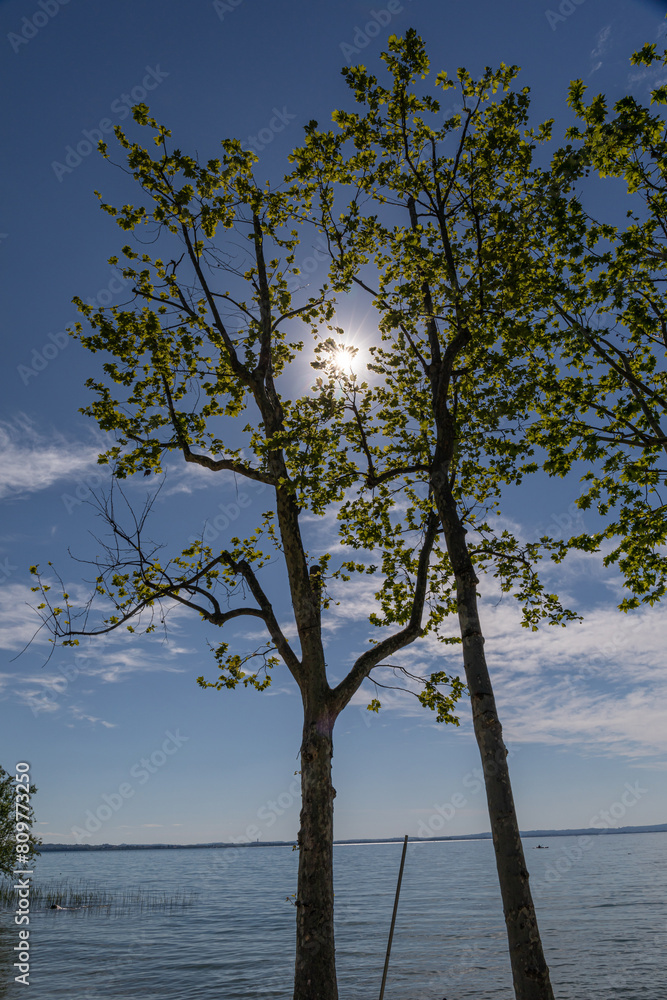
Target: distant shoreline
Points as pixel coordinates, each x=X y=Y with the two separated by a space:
x=586 y=831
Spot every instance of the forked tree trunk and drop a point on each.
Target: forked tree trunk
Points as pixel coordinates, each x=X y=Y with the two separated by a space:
x=315 y=969
x=529 y=969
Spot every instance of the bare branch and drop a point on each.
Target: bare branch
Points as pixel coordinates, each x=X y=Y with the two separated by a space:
x=342 y=694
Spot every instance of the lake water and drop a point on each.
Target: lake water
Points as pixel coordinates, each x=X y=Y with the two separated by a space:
x=602 y=910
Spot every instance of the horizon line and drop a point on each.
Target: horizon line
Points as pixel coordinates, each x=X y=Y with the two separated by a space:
x=570 y=832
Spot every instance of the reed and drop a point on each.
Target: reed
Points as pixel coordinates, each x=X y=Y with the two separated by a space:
x=88 y=896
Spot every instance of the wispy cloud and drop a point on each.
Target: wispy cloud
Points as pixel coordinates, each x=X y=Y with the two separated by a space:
x=599 y=684
x=185 y=477
x=68 y=680
x=18 y=620
x=32 y=461
x=650 y=77
x=653 y=76
x=81 y=716
x=601 y=47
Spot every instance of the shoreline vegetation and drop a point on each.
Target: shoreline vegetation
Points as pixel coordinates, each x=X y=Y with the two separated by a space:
x=584 y=831
x=64 y=895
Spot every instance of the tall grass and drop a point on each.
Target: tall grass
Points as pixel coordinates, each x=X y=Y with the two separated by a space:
x=88 y=896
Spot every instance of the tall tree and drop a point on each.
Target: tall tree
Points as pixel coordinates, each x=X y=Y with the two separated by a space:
x=209 y=338
x=439 y=222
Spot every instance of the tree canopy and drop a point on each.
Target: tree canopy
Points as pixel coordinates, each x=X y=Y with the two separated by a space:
x=605 y=402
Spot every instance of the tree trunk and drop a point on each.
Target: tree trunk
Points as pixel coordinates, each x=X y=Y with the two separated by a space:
x=315 y=969
x=529 y=969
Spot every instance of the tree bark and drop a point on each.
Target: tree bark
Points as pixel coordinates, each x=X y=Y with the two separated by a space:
x=315 y=968
x=530 y=972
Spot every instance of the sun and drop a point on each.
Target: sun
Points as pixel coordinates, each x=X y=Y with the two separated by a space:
x=349 y=359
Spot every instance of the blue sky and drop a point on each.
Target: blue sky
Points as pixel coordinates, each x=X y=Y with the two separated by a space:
x=121 y=731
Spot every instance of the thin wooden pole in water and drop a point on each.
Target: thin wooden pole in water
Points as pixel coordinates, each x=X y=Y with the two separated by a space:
x=393 y=917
